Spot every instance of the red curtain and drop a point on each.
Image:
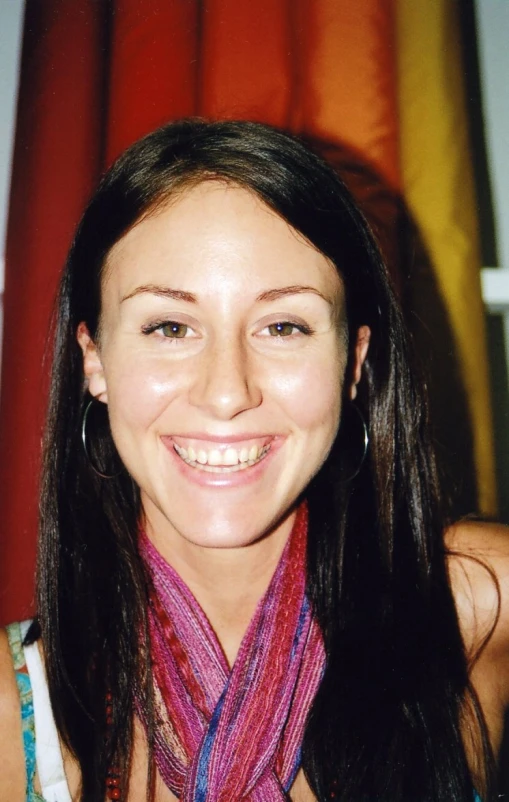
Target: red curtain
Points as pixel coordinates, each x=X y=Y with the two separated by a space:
x=96 y=76
x=57 y=159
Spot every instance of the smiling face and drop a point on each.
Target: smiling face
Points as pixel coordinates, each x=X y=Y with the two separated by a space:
x=222 y=355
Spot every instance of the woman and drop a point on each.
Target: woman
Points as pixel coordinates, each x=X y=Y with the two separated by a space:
x=237 y=597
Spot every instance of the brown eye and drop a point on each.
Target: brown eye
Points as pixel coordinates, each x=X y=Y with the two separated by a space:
x=281 y=329
x=174 y=330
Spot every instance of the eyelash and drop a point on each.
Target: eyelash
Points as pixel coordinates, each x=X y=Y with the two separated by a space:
x=302 y=328
x=159 y=325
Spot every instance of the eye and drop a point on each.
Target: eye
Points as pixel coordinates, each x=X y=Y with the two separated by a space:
x=281 y=329
x=174 y=330
x=169 y=329
x=284 y=328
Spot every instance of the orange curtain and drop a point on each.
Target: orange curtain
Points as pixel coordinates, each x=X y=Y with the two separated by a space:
x=97 y=75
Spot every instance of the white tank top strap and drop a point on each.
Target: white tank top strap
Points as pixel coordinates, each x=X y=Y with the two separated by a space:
x=50 y=765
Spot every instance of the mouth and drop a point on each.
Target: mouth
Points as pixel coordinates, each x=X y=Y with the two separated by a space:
x=225 y=459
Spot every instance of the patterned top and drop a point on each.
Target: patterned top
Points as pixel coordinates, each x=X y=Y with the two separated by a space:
x=27 y=708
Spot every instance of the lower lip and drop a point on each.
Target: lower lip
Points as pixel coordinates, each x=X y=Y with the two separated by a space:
x=228 y=479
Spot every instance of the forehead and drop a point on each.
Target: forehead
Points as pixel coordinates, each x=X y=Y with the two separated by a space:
x=217 y=235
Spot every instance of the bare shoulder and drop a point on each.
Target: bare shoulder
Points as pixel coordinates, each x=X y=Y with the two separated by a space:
x=12 y=765
x=479 y=570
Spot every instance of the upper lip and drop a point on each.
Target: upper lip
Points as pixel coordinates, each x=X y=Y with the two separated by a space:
x=221 y=439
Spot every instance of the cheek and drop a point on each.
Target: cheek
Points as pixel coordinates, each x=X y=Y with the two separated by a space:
x=311 y=394
x=138 y=393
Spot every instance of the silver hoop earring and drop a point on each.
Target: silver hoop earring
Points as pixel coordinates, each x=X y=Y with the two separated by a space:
x=365 y=444
x=84 y=441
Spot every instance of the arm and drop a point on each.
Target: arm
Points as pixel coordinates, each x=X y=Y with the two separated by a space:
x=12 y=763
x=479 y=570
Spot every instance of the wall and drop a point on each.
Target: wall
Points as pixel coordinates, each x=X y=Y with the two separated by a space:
x=492 y=17
x=11 y=25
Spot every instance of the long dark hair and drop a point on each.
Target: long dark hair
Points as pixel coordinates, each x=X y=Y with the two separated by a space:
x=386 y=722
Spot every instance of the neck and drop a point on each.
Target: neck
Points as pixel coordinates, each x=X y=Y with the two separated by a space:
x=227 y=583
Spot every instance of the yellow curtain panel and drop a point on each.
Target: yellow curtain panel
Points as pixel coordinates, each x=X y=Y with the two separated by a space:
x=438 y=188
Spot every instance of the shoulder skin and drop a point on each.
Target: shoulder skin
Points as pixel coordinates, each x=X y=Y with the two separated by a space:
x=12 y=764
x=479 y=572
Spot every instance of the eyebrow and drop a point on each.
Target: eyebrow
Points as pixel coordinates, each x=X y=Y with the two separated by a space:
x=189 y=297
x=294 y=289
x=164 y=292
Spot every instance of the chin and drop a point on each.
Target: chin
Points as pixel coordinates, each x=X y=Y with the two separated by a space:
x=220 y=520
x=223 y=533
x=231 y=528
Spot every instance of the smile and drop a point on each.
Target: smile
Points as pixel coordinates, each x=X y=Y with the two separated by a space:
x=215 y=460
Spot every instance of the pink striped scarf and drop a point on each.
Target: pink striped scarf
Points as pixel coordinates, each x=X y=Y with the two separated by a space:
x=229 y=734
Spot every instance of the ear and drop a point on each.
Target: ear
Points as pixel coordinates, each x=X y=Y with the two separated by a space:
x=359 y=355
x=92 y=365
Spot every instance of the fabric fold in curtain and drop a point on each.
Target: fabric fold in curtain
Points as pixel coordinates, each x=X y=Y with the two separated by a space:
x=248 y=55
x=95 y=77
x=349 y=77
x=439 y=190
x=153 y=68
x=57 y=159
x=348 y=102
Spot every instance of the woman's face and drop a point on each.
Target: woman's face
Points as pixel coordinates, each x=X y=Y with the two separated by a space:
x=222 y=356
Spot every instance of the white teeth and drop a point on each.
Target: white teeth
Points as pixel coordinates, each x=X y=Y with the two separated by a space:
x=214 y=457
x=230 y=457
x=216 y=460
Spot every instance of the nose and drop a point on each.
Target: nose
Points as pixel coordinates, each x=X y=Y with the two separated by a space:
x=226 y=384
